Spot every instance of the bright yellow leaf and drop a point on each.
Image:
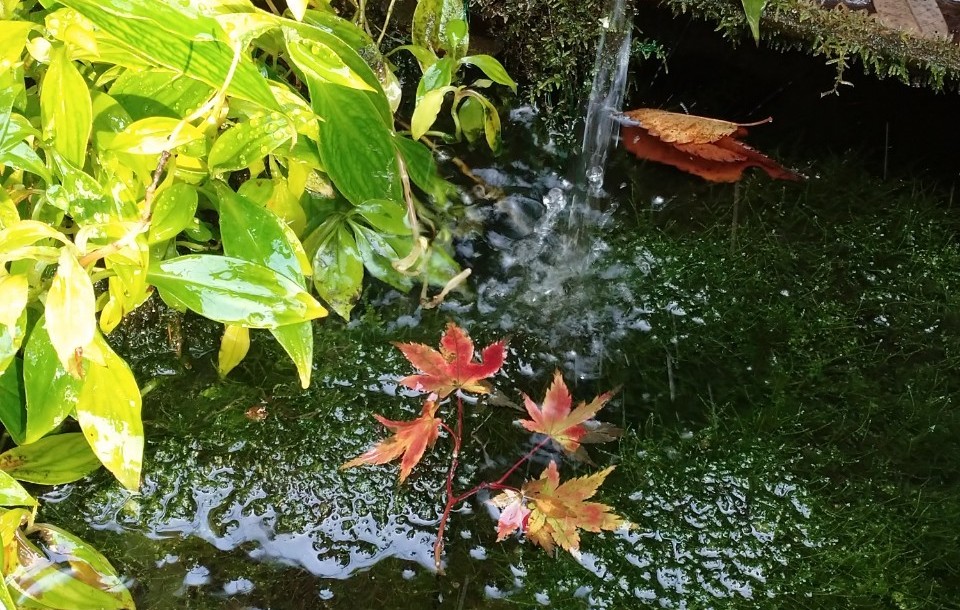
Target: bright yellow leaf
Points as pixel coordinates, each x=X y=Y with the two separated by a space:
x=13 y=298
x=233 y=348
x=71 y=312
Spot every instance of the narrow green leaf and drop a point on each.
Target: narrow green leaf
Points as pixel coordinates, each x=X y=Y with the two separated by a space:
x=437 y=76
x=152 y=136
x=13 y=412
x=167 y=36
x=421 y=166
x=21 y=156
x=173 y=212
x=248 y=142
x=158 y=92
x=317 y=60
x=492 y=68
x=108 y=409
x=52 y=460
x=359 y=172
x=13 y=493
x=51 y=392
x=66 y=111
x=385 y=216
x=754 y=10
x=297 y=341
x=234 y=291
x=338 y=272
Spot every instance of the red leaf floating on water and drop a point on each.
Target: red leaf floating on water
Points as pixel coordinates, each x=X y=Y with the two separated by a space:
x=555 y=417
x=699 y=145
x=410 y=440
x=453 y=367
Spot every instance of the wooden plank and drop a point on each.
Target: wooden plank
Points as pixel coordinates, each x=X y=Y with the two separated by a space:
x=896 y=14
x=929 y=18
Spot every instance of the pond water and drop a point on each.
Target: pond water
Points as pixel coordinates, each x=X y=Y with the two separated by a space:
x=787 y=356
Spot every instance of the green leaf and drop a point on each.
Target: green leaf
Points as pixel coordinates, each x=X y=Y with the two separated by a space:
x=66 y=111
x=176 y=38
x=248 y=142
x=319 y=61
x=67 y=574
x=256 y=234
x=421 y=166
x=492 y=68
x=359 y=172
x=158 y=92
x=437 y=76
x=152 y=136
x=108 y=409
x=425 y=57
x=471 y=116
x=84 y=198
x=173 y=212
x=13 y=413
x=234 y=291
x=491 y=121
x=378 y=257
x=338 y=272
x=435 y=26
x=52 y=460
x=51 y=392
x=13 y=37
x=754 y=10
x=11 y=337
x=385 y=216
x=425 y=114
x=13 y=493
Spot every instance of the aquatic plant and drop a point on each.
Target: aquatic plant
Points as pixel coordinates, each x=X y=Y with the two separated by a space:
x=548 y=512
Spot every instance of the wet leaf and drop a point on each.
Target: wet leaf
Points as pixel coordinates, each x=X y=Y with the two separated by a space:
x=438 y=25
x=13 y=298
x=152 y=136
x=248 y=142
x=492 y=68
x=11 y=338
x=453 y=367
x=234 y=346
x=70 y=311
x=65 y=108
x=754 y=10
x=51 y=392
x=338 y=272
x=52 y=460
x=233 y=291
x=319 y=61
x=555 y=417
x=701 y=146
x=108 y=409
x=410 y=441
x=425 y=114
x=173 y=211
x=65 y=574
x=386 y=216
x=558 y=511
x=13 y=493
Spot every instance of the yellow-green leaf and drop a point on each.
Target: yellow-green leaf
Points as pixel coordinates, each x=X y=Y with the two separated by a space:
x=13 y=298
x=71 y=311
x=233 y=348
x=248 y=142
x=108 y=409
x=427 y=110
x=66 y=111
x=13 y=493
x=152 y=136
x=338 y=272
x=173 y=212
x=52 y=460
x=50 y=392
x=297 y=8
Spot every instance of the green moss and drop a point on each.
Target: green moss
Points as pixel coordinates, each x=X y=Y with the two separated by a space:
x=840 y=36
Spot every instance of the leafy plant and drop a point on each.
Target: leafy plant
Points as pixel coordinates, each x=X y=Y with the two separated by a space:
x=754 y=10
x=440 y=43
x=229 y=159
x=548 y=512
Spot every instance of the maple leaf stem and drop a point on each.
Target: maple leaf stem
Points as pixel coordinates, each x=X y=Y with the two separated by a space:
x=451 y=499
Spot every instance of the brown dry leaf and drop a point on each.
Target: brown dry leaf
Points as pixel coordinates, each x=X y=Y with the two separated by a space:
x=699 y=145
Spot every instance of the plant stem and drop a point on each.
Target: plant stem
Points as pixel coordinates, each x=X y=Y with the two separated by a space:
x=451 y=500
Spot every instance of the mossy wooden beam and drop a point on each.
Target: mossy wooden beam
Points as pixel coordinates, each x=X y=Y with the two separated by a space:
x=839 y=35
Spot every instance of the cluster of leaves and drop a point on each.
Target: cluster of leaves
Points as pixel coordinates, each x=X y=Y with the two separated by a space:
x=234 y=161
x=549 y=512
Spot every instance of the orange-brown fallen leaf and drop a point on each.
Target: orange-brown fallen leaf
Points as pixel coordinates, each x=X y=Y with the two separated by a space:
x=702 y=146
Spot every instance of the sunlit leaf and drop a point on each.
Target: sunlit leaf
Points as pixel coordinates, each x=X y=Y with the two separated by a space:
x=52 y=460
x=425 y=114
x=319 y=61
x=108 y=409
x=65 y=108
x=248 y=142
x=173 y=212
x=70 y=311
x=234 y=291
x=234 y=346
x=158 y=92
x=154 y=135
x=51 y=393
x=275 y=194
x=13 y=298
x=168 y=36
x=297 y=8
x=13 y=37
x=12 y=493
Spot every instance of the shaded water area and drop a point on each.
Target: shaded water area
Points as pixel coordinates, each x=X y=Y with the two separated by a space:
x=787 y=356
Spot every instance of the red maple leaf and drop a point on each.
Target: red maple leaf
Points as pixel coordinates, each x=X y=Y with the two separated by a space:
x=551 y=513
x=453 y=367
x=410 y=440
x=556 y=420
